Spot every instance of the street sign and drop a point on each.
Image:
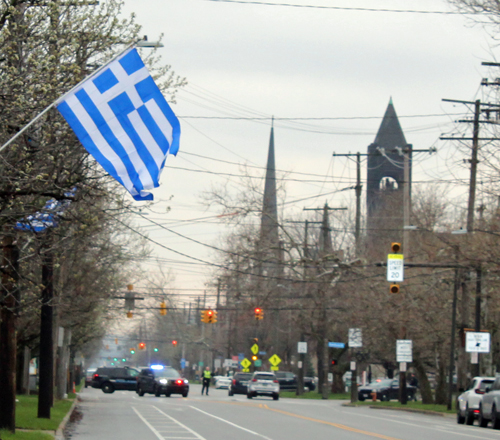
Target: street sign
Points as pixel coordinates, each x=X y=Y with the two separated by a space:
x=301 y=347
x=245 y=363
x=254 y=348
x=200 y=364
x=395 y=267
x=477 y=342
x=355 y=338
x=336 y=345
x=241 y=356
x=404 y=350
x=274 y=368
x=217 y=363
x=274 y=360
x=258 y=363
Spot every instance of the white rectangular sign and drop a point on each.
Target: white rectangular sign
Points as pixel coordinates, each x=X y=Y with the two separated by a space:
x=395 y=267
x=404 y=350
x=477 y=342
x=355 y=338
x=301 y=347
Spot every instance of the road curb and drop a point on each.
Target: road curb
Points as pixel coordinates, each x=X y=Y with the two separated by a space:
x=60 y=430
x=414 y=410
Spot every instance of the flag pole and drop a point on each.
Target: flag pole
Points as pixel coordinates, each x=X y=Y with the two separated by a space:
x=36 y=118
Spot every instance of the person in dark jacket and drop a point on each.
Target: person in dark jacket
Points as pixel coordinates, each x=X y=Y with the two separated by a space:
x=207 y=376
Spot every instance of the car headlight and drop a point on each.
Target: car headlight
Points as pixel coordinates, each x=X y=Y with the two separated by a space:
x=163 y=381
x=186 y=381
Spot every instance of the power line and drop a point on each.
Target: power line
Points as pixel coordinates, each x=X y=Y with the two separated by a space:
x=340 y=8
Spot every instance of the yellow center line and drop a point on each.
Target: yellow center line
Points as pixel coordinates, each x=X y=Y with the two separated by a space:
x=336 y=425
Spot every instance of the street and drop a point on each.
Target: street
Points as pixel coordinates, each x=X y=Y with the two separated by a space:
x=126 y=416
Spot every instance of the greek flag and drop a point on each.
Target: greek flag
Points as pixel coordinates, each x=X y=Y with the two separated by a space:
x=123 y=120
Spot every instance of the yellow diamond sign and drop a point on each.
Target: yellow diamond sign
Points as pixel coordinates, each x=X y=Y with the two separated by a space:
x=274 y=360
x=245 y=363
x=254 y=349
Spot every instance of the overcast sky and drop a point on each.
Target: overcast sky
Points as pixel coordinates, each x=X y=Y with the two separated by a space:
x=249 y=60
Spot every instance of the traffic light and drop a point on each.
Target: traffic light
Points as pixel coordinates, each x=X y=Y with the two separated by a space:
x=259 y=313
x=116 y=341
x=115 y=359
x=394 y=288
x=211 y=316
x=333 y=362
x=155 y=349
x=142 y=345
x=130 y=298
x=130 y=314
x=255 y=357
x=132 y=351
x=124 y=359
x=255 y=340
x=163 y=308
x=174 y=343
x=203 y=315
x=395 y=247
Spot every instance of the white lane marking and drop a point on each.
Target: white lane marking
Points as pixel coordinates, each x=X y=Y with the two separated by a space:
x=198 y=436
x=231 y=423
x=155 y=432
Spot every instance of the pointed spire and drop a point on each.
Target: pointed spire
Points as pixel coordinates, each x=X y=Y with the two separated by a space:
x=269 y=221
x=390 y=134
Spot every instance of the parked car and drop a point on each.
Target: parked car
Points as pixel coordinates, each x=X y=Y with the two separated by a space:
x=468 y=402
x=287 y=380
x=110 y=379
x=263 y=384
x=160 y=380
x=239 y=383
x=88 y=376
x=489 y=407
x=386 y=389
x=223 y=382
x=310 y=383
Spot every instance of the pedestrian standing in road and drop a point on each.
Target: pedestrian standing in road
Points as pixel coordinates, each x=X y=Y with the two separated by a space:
x=207 y=376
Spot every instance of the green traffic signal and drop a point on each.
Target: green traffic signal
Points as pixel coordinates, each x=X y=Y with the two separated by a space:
x=124 y=360
x=155 y=349
x=115 y=359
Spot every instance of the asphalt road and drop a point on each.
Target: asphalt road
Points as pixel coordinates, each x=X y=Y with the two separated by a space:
x=126 y=416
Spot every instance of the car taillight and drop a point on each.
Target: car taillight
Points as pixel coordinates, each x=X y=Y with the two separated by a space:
x=95 y=376
x=254 y=380
x=234 y=381
x=476 y=411
x=276 y=381
x=479 y=391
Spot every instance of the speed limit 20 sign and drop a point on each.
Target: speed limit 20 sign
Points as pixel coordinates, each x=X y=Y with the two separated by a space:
x=395 y=267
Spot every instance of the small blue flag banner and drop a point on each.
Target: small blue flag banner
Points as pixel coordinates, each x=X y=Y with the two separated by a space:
x=48 y=216
x=123 y=120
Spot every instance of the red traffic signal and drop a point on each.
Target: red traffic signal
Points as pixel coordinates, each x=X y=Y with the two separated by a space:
x=142 y=345
x=254 y=357
x=259 y=313
x=174 y=342
x=333 y=362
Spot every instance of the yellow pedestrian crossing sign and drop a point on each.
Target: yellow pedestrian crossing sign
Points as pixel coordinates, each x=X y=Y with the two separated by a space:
x=254 y=349
x=274 y=360
x=245 y=363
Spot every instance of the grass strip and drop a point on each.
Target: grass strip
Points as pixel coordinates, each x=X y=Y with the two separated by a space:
x=27 y=411
x=20 y=435
x=411 y=405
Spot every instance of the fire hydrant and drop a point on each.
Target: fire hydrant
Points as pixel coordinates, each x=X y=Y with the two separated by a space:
x=374 y=396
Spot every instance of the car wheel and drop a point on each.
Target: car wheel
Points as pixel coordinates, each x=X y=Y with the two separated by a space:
x=140 y=391
x=108 y=388
x=361 y=398
x=483 y=423
x=460 y=418
x=185 y=394
x=495 y=419
x=157 y=392
x=249 y=396
x=384 y=398
x=469 y=416
x=167 y=394
x=276 y=396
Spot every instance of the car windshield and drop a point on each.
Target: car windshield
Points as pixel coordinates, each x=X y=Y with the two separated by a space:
x=167 y=373
x=381 y=383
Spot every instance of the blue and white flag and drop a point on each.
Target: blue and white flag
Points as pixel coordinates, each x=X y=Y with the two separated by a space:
x=48 y=216
x=122 y=119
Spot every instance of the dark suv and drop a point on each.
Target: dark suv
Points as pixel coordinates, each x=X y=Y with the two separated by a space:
x=289 y=381
x=110 y=379
x=161 y=380
x=239 y=383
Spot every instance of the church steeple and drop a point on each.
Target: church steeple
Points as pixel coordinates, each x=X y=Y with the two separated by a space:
x=269 y=221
